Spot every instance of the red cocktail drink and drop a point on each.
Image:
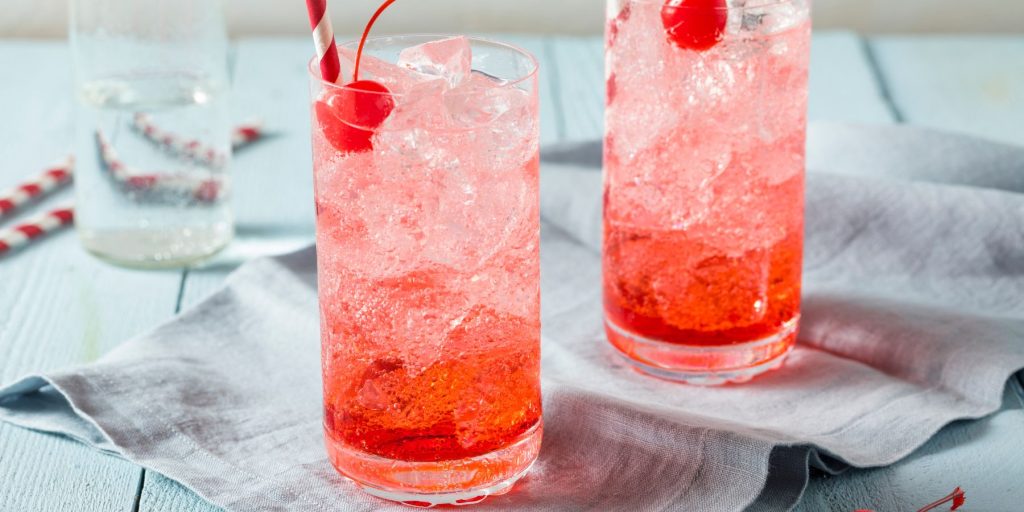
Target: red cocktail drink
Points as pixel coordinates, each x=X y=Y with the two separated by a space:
x=429 y=274
x=704 y=163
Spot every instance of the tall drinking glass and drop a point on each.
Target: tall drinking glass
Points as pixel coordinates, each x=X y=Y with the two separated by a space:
x=429 y=274
x=152 y=130
x=704 y=184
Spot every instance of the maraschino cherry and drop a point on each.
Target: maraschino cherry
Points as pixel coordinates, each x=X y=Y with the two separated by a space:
x=349 y=115
x=694 y=24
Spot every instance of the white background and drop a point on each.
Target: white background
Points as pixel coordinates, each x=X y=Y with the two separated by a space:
x=48 y=18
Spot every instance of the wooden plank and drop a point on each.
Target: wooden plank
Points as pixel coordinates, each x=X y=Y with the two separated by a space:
x=578 y=72
x=973 y=85
x=273 y=182
x=58 y=305
x=43 y=473
x=161 y=494
x=843 y=86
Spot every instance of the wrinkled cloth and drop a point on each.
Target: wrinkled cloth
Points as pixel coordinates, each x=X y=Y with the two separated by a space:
x=913 y=317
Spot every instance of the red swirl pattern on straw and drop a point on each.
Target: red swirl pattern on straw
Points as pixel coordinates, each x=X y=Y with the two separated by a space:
x=323 y=38
x=35 y=187
x=245 y=133
x=36 y=227
x=152 y=187
x=193 y=149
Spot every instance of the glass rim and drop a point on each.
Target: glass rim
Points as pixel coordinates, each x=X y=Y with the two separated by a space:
x=728 y=7
x=313 y=67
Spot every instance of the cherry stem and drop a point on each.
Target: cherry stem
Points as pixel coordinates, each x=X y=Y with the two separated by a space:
x=366 y=33
x=957 y=493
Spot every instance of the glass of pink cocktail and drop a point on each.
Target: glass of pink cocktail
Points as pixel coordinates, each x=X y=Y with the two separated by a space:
x=426 y=173
x=704 y=181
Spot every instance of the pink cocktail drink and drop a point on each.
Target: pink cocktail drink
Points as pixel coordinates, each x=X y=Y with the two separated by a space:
x=704 y=180
x=429 y=276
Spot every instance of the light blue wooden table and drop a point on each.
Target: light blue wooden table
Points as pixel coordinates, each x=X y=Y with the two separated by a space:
x=60 y=307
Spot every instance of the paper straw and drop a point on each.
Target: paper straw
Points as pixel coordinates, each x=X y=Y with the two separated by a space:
x=246 y=133
x=148 y=186
x=151 y=187
x=323 y=38
x=37 y=227
x=35 y=187
x=193 y=149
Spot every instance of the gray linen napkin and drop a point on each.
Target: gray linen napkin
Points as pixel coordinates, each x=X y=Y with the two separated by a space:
x=913 y=317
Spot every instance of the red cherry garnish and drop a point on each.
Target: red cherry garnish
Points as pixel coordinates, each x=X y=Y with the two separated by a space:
x=366 y=33
x=349 y=115
x=694 y=24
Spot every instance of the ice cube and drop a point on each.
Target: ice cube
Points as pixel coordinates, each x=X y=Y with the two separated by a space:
x=420 y=105
x=771 y=17
x=451 y=59
x=396 y=78
x=482 y=99
x=751 y=21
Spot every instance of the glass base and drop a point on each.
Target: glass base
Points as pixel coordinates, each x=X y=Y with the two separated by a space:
x=449 y=482
x=700 y=364
x=157 y=249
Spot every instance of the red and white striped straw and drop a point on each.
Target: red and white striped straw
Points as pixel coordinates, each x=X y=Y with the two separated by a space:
x=35 y=187
x=191 y=148
x=157 y=187
x=22 y=234
x=246 y=133
x=323 y=38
